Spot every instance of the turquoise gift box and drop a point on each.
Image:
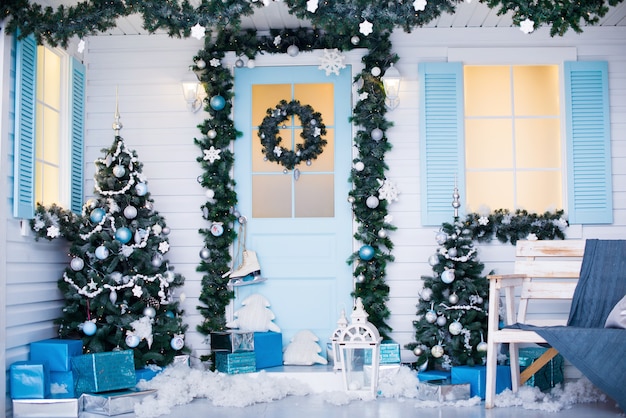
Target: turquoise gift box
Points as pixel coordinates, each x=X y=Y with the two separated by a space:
x=268 y=349
x=235 y=363
x=101 y=372
x=56 y=353
x=389 y=353
x=62 y=385
x=29 y=380
x=476 y=376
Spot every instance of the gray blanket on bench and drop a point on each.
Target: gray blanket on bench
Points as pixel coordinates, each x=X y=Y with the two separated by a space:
x=598 y=352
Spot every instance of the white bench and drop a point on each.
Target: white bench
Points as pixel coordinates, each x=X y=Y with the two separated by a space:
x=543 y=270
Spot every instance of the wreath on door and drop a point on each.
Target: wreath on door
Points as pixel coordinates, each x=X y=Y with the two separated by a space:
x=313 y=130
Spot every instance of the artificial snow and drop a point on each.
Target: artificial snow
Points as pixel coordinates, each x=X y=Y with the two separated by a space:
x=179 y=384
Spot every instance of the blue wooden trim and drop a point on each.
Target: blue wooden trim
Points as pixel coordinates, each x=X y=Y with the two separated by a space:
x=77 y=133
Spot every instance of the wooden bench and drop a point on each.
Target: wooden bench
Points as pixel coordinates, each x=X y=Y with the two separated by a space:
x=545 y=270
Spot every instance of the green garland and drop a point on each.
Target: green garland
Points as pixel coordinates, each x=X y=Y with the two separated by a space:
x=312 y=130
x=340 y=17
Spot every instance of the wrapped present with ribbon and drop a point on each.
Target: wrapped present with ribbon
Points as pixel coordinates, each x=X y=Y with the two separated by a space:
x=102 y=372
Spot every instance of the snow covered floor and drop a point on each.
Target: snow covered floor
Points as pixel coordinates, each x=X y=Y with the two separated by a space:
x=187 y=392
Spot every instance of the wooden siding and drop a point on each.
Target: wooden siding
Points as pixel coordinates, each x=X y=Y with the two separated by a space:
x=147 y=71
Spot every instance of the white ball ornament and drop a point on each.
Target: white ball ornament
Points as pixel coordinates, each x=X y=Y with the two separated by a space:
x=433 y=260
x=437 y=351
x=119 y=171
x=350 y=199
x=157 y=260
x=201 y=64
x=166 y=230
x=482 y=346
x=251 y=64
x=360 y=278
x=427 y=294
x=359 y=166
x=210 y=193
x=293 y=50
x=355 y=40
x=431 y=317
x=377 y=134
x=212 y=134
x=141 y=189
x=447 y=276
x=372 y=202
x=441 y=237
x=375 y=71
x=453 y=298
x=130 y=212
x=77 y=264
x=149 y=311
x=418 y=351
x=382 y=234
x=452 y=252
x=441 y=320
x=455 y=328
x=177 y=343
x=102 y=252
x=205 y=254
x=132 y=341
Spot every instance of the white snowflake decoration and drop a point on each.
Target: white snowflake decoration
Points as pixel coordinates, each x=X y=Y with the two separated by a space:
x=137 y=291
x=419 y=5
x=332 y=61
x=198 y=31
x=278 y=151
x=164 y=247
x=483 y=220
x=366 y=27
x=81 y=46
x=215 y=62
x=527 y=26
x=212 y=154
x=53 y=231
x=277 y=40
x=363 y=96
x=312 y=5
x=387 y=191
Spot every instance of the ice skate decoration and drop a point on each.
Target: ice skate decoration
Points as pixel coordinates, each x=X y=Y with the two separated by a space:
x=249 y=271
x=254 y=315
x=303 y=350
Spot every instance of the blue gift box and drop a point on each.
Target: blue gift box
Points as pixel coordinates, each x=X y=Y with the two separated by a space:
x=549 y=375
x=56 y=353
x=389 y=353
x=235 y=363
x=430 y=375
x=62 y=385
x=476 y=376
x=101 y=372
x=29 y=380
x=268 y=349
x=147 y=373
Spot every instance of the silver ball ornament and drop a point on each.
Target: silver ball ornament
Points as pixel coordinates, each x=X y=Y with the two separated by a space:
x=212 y=134
x=453 y=298
x=441 y=237
x=157 y=260
x=482 y=346
x=239 y=63
x=418 y=351
x=441 y=320
x=130 y=212
x=201 y=64
x=77 y=264
x=426 y=294
x=251 y=64
x=205 y=254
x=132 y=341
x=377 y=134
x=166 y=230
x=359 y=166
x=360 y=278
x=452 y=252
x=293 y=50
x=149 y=311
x=119 y=171
x=382 y=234
x=455 y=328
x=372 y=202
x=375 y=71
x=102 y=252
x=437 y=351
x=431 y=317
x=177 y=343
x=355 y=40
x=433 y=260
x=447 y=276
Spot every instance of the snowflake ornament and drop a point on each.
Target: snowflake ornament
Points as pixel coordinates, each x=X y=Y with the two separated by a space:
x=332 y=61
x=366 y=27
x=215 y=62
x=53 y=231
x=137 y=291
x=81 y=46
x=312 y=5
x=387 y=191
x=212 y=154
x=483 y=220
x=277 y=40
x=277 y=151
x=527 y=26
x=363 y=96
x=164 y=247
x=198 y=31
x=419 y=5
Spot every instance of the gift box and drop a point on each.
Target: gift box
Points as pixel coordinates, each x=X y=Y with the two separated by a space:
x=101 y=372
x=49 y=408
x=115 y=403
x=232 y=341
x=428 y=375
x=476 y=376
x=549 y=375
x=29 y=380
x=443 y=391
x=147 y=373
x=235 y=363
x=268 y=349
x=62 y=385
x=389 y=353
x=56 y=353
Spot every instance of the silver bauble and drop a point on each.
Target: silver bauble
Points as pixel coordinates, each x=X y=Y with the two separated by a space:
x=441 y=320
x=77 y=264
x=418 y=351
x=453 y=298
x=360 y=278
x=205 y=254
x=372 y=202
x=441 y=237
x=377 y=134
x=482 y=346
x=426 y=294
x=157 y=260
x=166 y=230
x=431 y=317
x=437 y=351
x=201 y=64
x=212 y=134
x=130 y=212
x=447 y=276
x=375 y=71
x=239 y=63
x=119 y=171
x=359 y=166
x=455 y=328
x=293 y=50
x=149 y=311
x=452 y=252
x=355 y=40
x=382 y=233
x=433 y=260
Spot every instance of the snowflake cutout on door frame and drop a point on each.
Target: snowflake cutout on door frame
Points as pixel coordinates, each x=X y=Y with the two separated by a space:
x=332 y=61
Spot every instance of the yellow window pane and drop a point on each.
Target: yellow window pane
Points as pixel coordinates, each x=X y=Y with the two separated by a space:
x=538 y=191
x=39 y=131
x=52 y=76
x=320 y=97
x=271 y=196
x=51 y=132
x=480 y=187
x=538 y=143
x=488 y=143
x=326 y=160
x=41 y=52
x=315 y=196
x=47 y=183
x=487 y=91
x=265 y=96
x=536 y=90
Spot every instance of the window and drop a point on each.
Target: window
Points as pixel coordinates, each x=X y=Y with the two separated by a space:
x=48 y=134
x=585 y=169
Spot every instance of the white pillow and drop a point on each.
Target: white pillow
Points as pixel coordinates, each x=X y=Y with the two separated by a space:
x=617 y=317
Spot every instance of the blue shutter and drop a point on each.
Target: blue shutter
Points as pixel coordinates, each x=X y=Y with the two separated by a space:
x=77 y=133
x=24 y=163
x=588 y=143
x=441 y=139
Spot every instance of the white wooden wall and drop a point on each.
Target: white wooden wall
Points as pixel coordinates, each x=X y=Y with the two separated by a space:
x=147 y=71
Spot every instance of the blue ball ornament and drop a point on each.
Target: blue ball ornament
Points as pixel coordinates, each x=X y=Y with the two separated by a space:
x=89 y=328
x=102 y=252
x=217 y=102
x=366 y=252
x=97 y=215
x=141 y=189
x=123 y=235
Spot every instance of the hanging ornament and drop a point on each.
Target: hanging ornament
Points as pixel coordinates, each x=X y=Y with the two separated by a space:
x=89 y=328
x=293 y=50
x=426 y=294
x=366 y=252
x=97 y=215
x=205 y=254
x=201 y=64
x=210 y=193
x=157 y=260
x=166 y=230
x=433 y=260
x=359 y=166
x=360 y=278
x=441 y=237
x=113 y=296
x=212 y=134
x=431 y=316
x=377 y=134
x=453 y=298
x=177 y=343
x=77 y=264
x=447 y=276
x=372 y=202
x=132 y=341
x=217 y=229
x=251 y=64
x=239 y=63
x=441 y=320
x=102 y=252
x=452 y=252
x=437 y=351
x=130 y=212
x=375 y=71
x=482 y=347
x=382 y=233
x=123 y=235
x=217 y=102
x=149 y=311
x=418 y=351
x=355 y=40
x=455 y=328
x=119 y=171
x=141 y=189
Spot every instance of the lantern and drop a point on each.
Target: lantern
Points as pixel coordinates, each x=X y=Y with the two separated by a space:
x=359 y=348
x=342 y=324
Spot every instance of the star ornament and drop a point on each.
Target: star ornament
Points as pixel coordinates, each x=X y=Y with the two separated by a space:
x=366 y=27
x=527 y=26
x=164 y=247
x=197 y=31
x=212 y=154
x=419 y=5
x=277 y=151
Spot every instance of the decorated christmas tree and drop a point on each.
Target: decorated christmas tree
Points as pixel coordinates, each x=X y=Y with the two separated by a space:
x=118 y=286
x=451 y=324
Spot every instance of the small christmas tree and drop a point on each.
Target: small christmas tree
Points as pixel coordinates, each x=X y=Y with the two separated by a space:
x=451 y=325
x=118 y=286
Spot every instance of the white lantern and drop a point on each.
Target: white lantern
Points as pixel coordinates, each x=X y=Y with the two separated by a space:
x=342 y=324
x=359 y=347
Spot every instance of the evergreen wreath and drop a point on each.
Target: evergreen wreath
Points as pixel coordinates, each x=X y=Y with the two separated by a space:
x=312 y=130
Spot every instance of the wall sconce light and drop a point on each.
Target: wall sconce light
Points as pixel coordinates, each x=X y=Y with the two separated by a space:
x=192 y=91
x=391 y=83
